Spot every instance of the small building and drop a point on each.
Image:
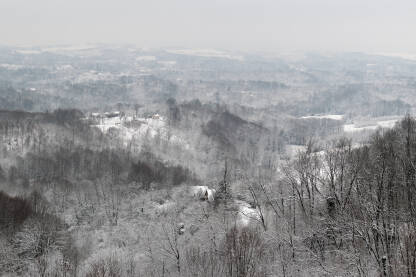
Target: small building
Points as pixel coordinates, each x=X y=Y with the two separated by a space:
x=112 y=114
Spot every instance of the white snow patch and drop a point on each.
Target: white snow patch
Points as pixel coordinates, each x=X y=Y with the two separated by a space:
x=387 y=123
x=93 y=75
x=293 y=150
x=69 y=48
x=351 y=128
x=246 y=213
x=326 y=116
x=407 y=56
x=29 y=52
x=205 y=53
x=145 y=127
x=65 y=67
x=146 y=58
x=168 y=206
x=11 y=66
x=201 y=191
x=167 y=63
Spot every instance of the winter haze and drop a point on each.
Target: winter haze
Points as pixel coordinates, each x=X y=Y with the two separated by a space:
x=262 y=25
x=207 y=138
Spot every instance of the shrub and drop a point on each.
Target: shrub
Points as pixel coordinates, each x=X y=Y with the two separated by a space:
x=13 y=210
x=106 y=267
x=244 y=251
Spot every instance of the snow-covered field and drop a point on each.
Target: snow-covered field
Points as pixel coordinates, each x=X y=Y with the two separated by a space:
x=11 y=66
x=406 y=56
x=351 y=128
x=292 y=150
x=28 y=52
x=69 y=48
x=146 y=58
x=139 y=129
x=205 y=53
x=93 y=75
x=167 y=63
x=387 y=123
x=325 y=116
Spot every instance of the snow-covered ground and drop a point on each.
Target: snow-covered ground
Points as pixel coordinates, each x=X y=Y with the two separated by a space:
x=11 y=66
x=351 y=128
x=59 y=49
x=93 y=75
x=168 y=206
x=167 y=63
x=246 y=213
x=146 y=58
x=205 y=53
x=140 y=128
x=65 y=67
x=200 y=192
x=28 y=52
x=292 y=150
x=387 y=123
x=325 y=116
x=406 y=56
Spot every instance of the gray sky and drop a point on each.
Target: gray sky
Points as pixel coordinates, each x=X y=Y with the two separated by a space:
x=254 y=25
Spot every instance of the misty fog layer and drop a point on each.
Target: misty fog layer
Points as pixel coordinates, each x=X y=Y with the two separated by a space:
x=375 y=26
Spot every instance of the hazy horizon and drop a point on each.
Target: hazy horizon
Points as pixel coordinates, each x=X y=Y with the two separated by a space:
x=264 y=25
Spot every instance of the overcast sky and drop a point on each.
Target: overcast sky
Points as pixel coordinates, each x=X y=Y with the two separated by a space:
x=254 y=25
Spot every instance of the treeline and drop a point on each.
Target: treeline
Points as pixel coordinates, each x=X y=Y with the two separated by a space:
x=355 y=99
x=71 y=165
x=22 y=132
x=58 y=116
x=146 y=172
x=12 y=98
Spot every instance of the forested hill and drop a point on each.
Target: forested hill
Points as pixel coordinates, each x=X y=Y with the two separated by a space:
x=335 y=207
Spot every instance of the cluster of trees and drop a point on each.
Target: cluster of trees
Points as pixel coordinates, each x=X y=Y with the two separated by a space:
x=30 y=234
x=368 y=195
x=72 y=165
x=146 y=173
x=240 y=252
x=299 y=131
x=69 y=162
x=60 y=146
x=21 y=132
